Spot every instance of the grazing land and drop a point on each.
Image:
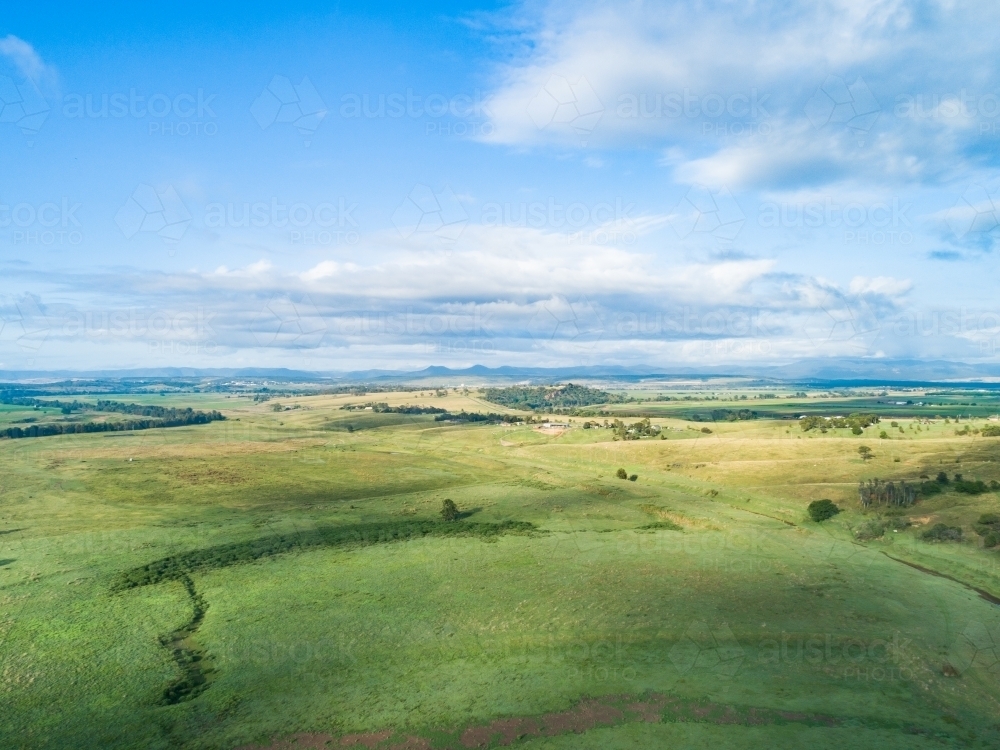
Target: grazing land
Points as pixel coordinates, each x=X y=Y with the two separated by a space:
x=284 y=577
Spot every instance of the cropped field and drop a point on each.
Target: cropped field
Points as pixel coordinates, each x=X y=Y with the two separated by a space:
x=284 y=577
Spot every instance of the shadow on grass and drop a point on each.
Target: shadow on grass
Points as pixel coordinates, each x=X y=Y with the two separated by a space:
x=5 y=562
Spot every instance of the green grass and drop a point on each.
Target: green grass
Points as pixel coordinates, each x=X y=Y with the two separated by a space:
x=704 y=580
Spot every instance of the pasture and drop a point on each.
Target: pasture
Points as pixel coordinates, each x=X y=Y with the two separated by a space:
x=313 y=593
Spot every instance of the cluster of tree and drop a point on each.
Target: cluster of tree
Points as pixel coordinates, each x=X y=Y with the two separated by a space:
x=177 y=566
x=992 y=430
x=877 y=492
x=550 y=397
x=974 y=486
x=725 y=415
x=965 y=486
x=857 y=422
x=988 y=527
x=943 y=533
x=634 y=431
x=471 y=416
x=384 y=408
x=152 y=417
x=875 y=528
x=119 y=407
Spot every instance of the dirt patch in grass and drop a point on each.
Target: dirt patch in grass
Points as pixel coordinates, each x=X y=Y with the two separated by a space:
x=589 y=713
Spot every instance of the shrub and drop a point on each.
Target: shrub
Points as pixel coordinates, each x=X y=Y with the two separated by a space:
x=706 y=430
x=449 y=511
x=943 y=533
x=929 y=488
x=884 y=435
x=991 y=431
x=633 y=477
x=667 y=525
x=969 y=486
x=988 y=523
x=991 y=539
x=821 y=510
x=856 y=430
x=873 y=529
x=621 y=474
x=941 y=478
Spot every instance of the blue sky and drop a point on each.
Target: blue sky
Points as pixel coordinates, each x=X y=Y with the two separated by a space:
x=541 y=184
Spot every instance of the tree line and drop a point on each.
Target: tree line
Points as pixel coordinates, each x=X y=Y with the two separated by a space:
x=550 y=397
x=152 y=417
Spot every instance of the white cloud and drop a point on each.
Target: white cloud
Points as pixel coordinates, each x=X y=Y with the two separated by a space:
x=725 y=85
x=27 y=61
x=885 y=286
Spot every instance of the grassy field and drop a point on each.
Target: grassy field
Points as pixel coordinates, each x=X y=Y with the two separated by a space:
x=315 y=595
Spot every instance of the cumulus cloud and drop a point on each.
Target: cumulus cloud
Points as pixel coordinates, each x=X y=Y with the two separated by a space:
x=27 y=61
x=757 y=93
x=880 y=285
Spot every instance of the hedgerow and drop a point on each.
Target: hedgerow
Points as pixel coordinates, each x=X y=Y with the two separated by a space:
x=176 y=567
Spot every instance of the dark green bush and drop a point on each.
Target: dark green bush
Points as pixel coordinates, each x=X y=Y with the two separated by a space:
x=941 y=478
x=666 y=525
x=621 y=474
x=821 y=510
x=943 y=533
x=969 y=486
x=988 y=523
x=449 y=511
x=872 y=529
x=633 y=477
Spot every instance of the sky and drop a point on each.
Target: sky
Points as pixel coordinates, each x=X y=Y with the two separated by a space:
x=344 y=187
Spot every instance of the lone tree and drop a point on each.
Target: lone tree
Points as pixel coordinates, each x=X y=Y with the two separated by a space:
x=821 y=510
x=449 y=511
x=865 y=452
x=621 y=474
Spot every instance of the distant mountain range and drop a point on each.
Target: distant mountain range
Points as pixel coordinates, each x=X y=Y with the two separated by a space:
x=816 y=371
